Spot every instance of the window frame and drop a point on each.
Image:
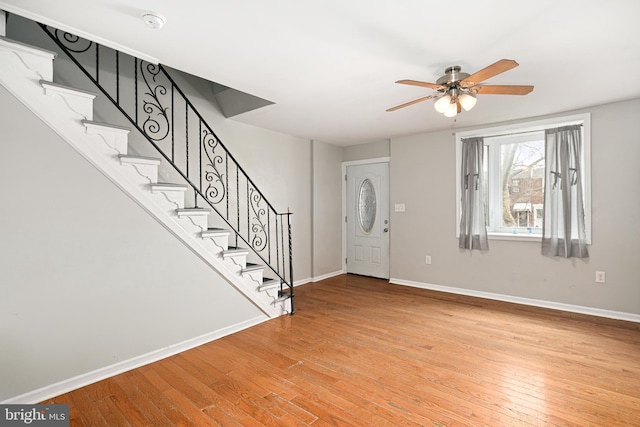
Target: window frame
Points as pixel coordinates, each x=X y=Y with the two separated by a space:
x=531 y=126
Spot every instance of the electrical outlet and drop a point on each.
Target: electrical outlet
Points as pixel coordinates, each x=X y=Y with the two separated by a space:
x=399 y=207
x=427 y=260
x=600 y=277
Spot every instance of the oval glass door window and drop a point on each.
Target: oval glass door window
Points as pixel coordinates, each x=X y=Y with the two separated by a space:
x=366 y=205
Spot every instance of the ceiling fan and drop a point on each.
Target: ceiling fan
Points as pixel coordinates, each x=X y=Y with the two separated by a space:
x=458 y=90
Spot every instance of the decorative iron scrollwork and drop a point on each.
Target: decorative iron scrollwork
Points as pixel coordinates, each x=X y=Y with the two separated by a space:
x=258 y=228
x=215 y=191
x=156 y=127
x=72 y=42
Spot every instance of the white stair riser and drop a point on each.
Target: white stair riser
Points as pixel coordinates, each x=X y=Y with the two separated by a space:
x=78 y=102
x=255 y=276
x=200 y=221
x=269 y=287
x=237 y=261
x=38 y=62
x=116 y=141
x=174 y=197
x=273 y=294
x=220 y=240
x=141 y=174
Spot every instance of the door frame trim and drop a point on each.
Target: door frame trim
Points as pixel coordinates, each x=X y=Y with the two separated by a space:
x=344 y=202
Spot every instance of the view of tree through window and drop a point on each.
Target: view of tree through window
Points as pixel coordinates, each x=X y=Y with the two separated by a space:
x=522 y=183
x=514 y=179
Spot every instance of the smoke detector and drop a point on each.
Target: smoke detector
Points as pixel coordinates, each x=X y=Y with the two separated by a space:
x=153 y=20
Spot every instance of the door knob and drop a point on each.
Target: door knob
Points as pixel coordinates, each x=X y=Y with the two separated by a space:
x=386 y=230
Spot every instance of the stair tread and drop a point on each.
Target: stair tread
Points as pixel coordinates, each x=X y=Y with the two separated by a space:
x=282 y=298
x=18 y=45
x=128 y=158
x=193 y=211
x=168 y=186
x=214 y=232
x=252 y=267
x=68 y=89
x=233 y=250
x=106 y=126
x=268 y=283
x=226 y=230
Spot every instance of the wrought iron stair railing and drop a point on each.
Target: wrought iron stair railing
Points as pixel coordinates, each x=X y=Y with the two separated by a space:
x=147 y=95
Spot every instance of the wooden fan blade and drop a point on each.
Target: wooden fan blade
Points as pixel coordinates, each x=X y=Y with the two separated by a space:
x=415 y=101
x=459 y=107
x=488 y=72
x=502 y=90
x=423 y=84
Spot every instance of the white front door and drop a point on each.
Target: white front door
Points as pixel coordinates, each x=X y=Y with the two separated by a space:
x=367 y=199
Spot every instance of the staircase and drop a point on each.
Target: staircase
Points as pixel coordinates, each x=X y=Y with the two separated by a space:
x=182 y=207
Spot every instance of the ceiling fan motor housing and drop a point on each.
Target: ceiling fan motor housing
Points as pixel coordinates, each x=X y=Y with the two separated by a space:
x=452 y=75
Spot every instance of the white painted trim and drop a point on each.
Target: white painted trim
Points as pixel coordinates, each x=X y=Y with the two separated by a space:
x=85 y=35
x=592 y=311
x=302 y=281
x=24 y=47
x=344 y=200
x=365 y=162
x=534 y=238
x=328 y=275
x=3 y=23
x=79 y=381
x=56 y=87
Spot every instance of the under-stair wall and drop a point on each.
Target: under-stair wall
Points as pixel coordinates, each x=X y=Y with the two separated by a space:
x=90 y=283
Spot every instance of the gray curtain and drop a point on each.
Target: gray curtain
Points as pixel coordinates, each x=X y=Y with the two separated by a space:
x=563 y=227
x=473 y=229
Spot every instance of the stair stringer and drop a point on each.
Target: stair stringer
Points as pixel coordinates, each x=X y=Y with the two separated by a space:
x=24 y=72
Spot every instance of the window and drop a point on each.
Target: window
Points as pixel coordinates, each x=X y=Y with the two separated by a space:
x=514 y=170
x=514 y=174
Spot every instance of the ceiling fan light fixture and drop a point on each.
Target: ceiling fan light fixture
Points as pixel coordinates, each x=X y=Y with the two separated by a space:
x=452 y=110
x=467 y=101
x=442 y=104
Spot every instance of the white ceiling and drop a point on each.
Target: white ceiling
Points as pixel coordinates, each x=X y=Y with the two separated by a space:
x=330 y=65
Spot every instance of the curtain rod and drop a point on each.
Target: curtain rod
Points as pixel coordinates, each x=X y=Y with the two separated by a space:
x=519 y=133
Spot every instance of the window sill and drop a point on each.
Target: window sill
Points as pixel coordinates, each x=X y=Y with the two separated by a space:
x=517 y=236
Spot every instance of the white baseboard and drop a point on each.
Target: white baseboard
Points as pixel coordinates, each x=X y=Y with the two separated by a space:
x=631 y=317
x=302 y=281
x=74 y=383
x=328 y=275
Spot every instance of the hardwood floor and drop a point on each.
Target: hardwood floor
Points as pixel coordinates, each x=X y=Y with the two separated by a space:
x=360 y=351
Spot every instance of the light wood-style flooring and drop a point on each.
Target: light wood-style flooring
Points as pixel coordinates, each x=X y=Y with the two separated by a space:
x=362 y=352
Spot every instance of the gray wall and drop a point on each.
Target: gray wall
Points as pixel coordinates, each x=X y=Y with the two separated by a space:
x=370 y=150
x=87 y=278
x=423 y=178
x=327 y=208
